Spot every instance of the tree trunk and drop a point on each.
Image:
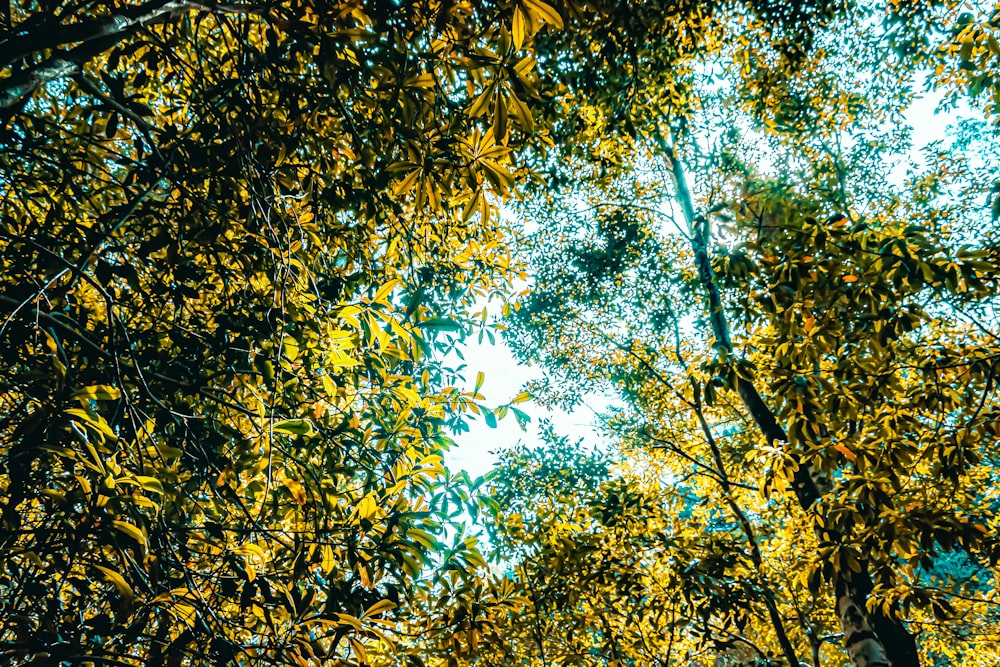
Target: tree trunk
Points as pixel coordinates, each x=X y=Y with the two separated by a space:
x=870 y=639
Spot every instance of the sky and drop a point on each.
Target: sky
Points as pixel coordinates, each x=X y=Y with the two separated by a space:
x=505 y=379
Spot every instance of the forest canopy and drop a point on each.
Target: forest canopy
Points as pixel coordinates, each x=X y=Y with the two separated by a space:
x=245 y=244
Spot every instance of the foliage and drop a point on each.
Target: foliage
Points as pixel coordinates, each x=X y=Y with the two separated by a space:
x=237 y=239
x=804 y=350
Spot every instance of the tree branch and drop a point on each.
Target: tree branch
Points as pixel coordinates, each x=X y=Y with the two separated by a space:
x=92 y=38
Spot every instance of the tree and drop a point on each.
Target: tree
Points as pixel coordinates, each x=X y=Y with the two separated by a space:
x=789 y=246
x=239 y=238
x=235 y=240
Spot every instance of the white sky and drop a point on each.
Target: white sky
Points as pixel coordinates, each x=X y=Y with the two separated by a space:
x=505 y=379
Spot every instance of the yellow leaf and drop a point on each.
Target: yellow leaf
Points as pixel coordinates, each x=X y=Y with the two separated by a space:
x=497 y=173
x=425 y=80
x=329 y=561
x=96 y=424
x=423 y=538
x=184 y=612
x=481 y=103
x=98 y=392
x=522 y=397
x=544 y=11
x=297 y=490
x=359 y=649
x=520 y=110
x=290 y=348
x=383 y=293
x=474 y=558
x=132 y=531
x=293 y=427
x=367 y=507
x=379 y=607
x=338 y=359
x=118 y=580
x=348 y=620
x=524 y=65
x=149 y=483
x=471 y=206
x=518 y=28
x=254 y=558
x=329 y=387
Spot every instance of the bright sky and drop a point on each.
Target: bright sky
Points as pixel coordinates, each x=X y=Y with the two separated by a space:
x=505 y=379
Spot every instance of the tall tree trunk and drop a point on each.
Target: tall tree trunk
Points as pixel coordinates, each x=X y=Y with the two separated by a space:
x=871 y=639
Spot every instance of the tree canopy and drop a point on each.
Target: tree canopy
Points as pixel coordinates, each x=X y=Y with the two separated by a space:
x=243 y=243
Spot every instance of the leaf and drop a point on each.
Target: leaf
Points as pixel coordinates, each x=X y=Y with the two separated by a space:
x=293 y=427
x=518 y=28
x=423 y=538
x=254 y=558
x=440 y=324
x=97 y=392
x=475 y=559
x=329 y=562
x=848 y=454
x=329 y=387
x=965 y=52
x=522 y=418
x=349 y=621
x=425 y=80
x=500 y=117
x=111 y=129
x=379 y=607
x=95 y=423
x=491 y=419
x=382 y=295
x=184 y=612
x=290 y=348
x=131 y=530
x=520 y=110
x=367 y=508
x=118 y=580
x=297 y=490
x=358 y=649
x=481 y=103
x=149 y=483
x=544 y=11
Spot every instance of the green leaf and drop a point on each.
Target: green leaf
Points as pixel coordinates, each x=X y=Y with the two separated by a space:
x=440 y=324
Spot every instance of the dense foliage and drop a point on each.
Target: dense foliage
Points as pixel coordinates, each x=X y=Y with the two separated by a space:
x=241 y=243
x=802 y=341
x=235 y=241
